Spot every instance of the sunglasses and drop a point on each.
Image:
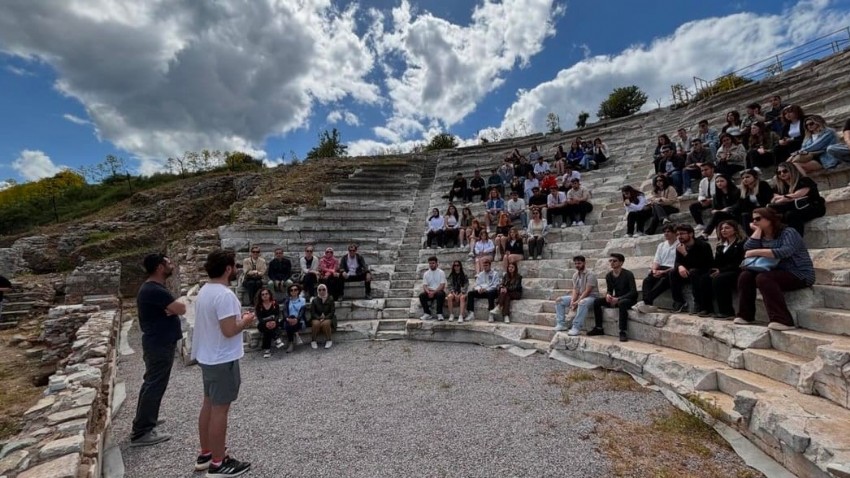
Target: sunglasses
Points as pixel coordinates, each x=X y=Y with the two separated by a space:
x=810 y=123
x=782 y=171
x=308 y=250
x=255 y=252
x=756 y=218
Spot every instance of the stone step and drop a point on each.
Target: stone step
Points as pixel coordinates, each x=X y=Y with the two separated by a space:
x=830 y=321
x=402 y=302
x=780 y=366
x=392 y=325
x=539 y=333
x=802 y=342
x=396 y=313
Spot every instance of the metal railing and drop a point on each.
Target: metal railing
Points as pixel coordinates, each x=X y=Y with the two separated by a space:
x=820 y=47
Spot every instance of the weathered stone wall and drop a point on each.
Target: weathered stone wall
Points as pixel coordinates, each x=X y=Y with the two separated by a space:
x=11 y=262
x=93 y=278
x=64 y=431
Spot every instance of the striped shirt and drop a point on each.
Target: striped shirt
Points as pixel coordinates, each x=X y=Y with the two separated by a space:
x=791 y=251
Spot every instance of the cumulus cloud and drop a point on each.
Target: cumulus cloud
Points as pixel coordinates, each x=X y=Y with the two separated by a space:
x=76 y=119
x=158 y=77
x=34 y=164
x=699 y=48
x=348 y=117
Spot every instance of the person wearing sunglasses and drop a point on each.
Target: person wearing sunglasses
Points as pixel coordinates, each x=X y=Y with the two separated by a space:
x=793 y=129
x=796 y=198
x=294 y=310
x=814 y=154
x=353 y=268
x=253 y=269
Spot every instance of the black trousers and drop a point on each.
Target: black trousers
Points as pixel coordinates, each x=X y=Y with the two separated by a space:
x=535 y=246
x=655 y=286
x=677 y=283
x=474 y=294
x=696 y=212
x=309 y=282
x=367 y=283
x=623 y=306
x=440 y=235
x=439 y=298
x=637 y=219
x=562 y=212
x=718 y=288
x=578 y=212
x=158 y=362
x=268 y=335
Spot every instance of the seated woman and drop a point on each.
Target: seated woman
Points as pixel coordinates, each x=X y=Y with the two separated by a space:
x=530 y=183
x=600 y=151
x=733 y=120
x=511 y=247
x=517 y=186
x=466 y=219
x=484 y=249
x=730 y=155
x=661 y=202
x=329 y=274
x=294 y=311
x=268 y=320
x=813 y=155
x=773 y=240
x=472 y=235
x=755 y=193
x=722 y=278
x=559 y=160
x=658 y=158
x=309 y=271
x=791 y=138
x=510 y=289
x=724 y=203
x=796 y=198
x=495 y=205
x=452 y=234
x=503 y=227
x=435 y=228
x=763 y=141
x=457 y=285
x=637 y=211
x=537 y=229
x=575 y=156
x=322 y=317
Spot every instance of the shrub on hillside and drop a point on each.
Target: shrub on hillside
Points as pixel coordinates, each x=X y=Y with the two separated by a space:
x=330 y=146
x=622 y=102
x=442 y=141
x=721 y=85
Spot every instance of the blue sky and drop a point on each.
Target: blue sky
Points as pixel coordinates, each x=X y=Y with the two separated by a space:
x=157 y=78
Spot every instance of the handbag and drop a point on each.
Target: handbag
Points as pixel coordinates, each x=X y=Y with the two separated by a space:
x=759 y=263
x=802 y=203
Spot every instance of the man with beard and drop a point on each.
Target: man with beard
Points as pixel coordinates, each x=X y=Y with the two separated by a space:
x=160 y=323
x=217 y=346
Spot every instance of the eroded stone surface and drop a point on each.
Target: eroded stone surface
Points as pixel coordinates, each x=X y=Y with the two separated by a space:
x=63 y=467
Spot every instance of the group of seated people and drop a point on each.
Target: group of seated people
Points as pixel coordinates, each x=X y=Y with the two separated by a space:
x=773 y=260
x=758 y=140
x=310 y=297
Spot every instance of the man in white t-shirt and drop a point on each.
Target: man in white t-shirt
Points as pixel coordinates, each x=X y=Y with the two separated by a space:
x=656 y=282
x=515 y=207
x=217 y=346
x=433 y=288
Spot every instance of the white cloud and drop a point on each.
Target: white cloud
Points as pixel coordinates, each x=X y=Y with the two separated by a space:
x=348 y=117
x=19 y=71
x=76 y=119
x=6 y=184
x=158 y=77
x=33 y=165
x=699 y=48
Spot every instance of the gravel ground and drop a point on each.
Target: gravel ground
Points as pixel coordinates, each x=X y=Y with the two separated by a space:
x=371 y=409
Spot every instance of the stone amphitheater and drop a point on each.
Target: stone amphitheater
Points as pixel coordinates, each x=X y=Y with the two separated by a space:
x=787 y=392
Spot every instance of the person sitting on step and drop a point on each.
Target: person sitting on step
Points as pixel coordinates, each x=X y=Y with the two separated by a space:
x=515 y=207
x=693 y=261
x=435 y=229
x=534 y=154
x=494 y=206
x=731 y=154
x=541 y=167
x=253 y=269
x=322 y=318
x=791 y=137
x=506 y=171
x=814 y=152
x=622 y=294
x=459 y=189
x=600 y=151
x=503 y=228
x=753 y=115
x=268 y=320
x=466 y=219
x=722 y=278
x=559 y=160
x=575 y=156
x=353 y=268
x=510 y=289
x=578 y=203
x=755 y=193
x=556 y=205
x=538 y=199
x=707 y=190
x=568 y=176
x=537 y=229
x=657 y=281
x=510 y=247
x=772 y=239
x=580 y=300
x=637 y=210
x=457 y=285
x=309 y=271
x=724 y=203
x=841 y=149
x=658 y=156
x=433 y=288
x=453 y=229
x=496 y=182
x=549 y=181
x=483 y=250
x=763 y=141
x=529 y=184
x=472 y=234
x=294 y=310
x=477 y=187
x=709 y=138
x=661 y=203
x=329 y=274
x=671 y=166
x=796 y=197
x=486 y=285
x=280 y=271
x=698 y=156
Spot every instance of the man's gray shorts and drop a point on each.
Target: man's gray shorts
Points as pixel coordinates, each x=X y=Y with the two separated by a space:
x=221 y=382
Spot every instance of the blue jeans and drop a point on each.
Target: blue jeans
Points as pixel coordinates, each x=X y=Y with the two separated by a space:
x=687 y=179
x=561 y=306
x=839 y=151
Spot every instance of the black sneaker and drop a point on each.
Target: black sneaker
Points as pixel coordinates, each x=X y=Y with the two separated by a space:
x=623 y=336
x=203 y=462
x=228 y=467
x=596 y=331
x=680 y=307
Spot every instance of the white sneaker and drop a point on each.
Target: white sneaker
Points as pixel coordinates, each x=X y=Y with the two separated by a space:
x=491 y=318
x=560 y=328
x=452 y=318
x=638 y=234
x=645 y=309
x=494 y=310
x=440 y=318
x=688 y=191
x=629 y=235
x=563 y=225
x=278 y=343
x=580 y=223
x=267 y=353
x=740 y=321
x=314 y=345
x=573 y=332
x=470 y=317
x=425 y=317
x=779 y=327
x=507 y=319
x=575 y=223
x=460 y=319
x=329 y=344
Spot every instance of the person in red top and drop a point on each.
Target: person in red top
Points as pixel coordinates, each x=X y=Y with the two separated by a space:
x=549 y=181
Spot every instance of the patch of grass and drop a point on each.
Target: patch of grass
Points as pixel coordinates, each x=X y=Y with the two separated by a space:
x=585 y=381
x=685 y=424
x=706 y=405
x=96 y=237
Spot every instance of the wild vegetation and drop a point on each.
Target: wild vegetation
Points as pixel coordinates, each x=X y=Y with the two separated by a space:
x=622 y=102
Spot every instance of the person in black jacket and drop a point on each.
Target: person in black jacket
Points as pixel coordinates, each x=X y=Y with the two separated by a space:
x=458 y=189
x=723 y=203
x=722 y=278
x=268 y=320
x=477 y=187
x=622 y=294
x=353 y=268
x=279 y=271
x=755 y=193
x=693 y=261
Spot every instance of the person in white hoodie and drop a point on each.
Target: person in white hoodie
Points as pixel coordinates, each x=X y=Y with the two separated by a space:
x=436 y=228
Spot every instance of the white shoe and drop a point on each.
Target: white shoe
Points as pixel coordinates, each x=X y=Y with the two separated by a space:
x=688 y=191
x=646 y=309
x=491 y=318
x=629 y=235
x=573 y=332
x=440 y=318
x=740 y=321
x=470 y=317
x=779 y=327
x=460 y=319
x=314 y=345
x=267 y=353
x=425 y=317
x=278 y=343
x=452 y=318
x=507 y=319
x=329 y=344
x=580 y=223
x=575 y=223
x=563 y=225
x=638 y=234
x=494 y=310
x=560 y=328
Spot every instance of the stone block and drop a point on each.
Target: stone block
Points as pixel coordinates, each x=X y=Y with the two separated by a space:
x=64 y=416
x=62 y=446
x=12 y=461
x=67 y=466
x=42 y=404
x=18 y=444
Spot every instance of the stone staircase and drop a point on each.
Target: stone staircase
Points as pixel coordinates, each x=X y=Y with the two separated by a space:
x=24 y=302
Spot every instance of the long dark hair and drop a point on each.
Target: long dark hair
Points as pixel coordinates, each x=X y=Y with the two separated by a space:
x=660 y=189
x=461 y=275
x=630 y=193
x=773 y=217
x=258 y=298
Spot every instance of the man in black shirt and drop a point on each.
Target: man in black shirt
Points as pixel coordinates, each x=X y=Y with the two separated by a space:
x=458 y=188
x=693 y=261
x=160 y=323
x=538 y=199
x=773 y=116
x=279 y=271
x=477 y=187
x=622 y=294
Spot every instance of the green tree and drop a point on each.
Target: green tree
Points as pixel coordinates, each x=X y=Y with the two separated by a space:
x=582 y=119
x=330 y=146
x=442 y=141
x=239 y=161
x=622 y=102
x=553 y=123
